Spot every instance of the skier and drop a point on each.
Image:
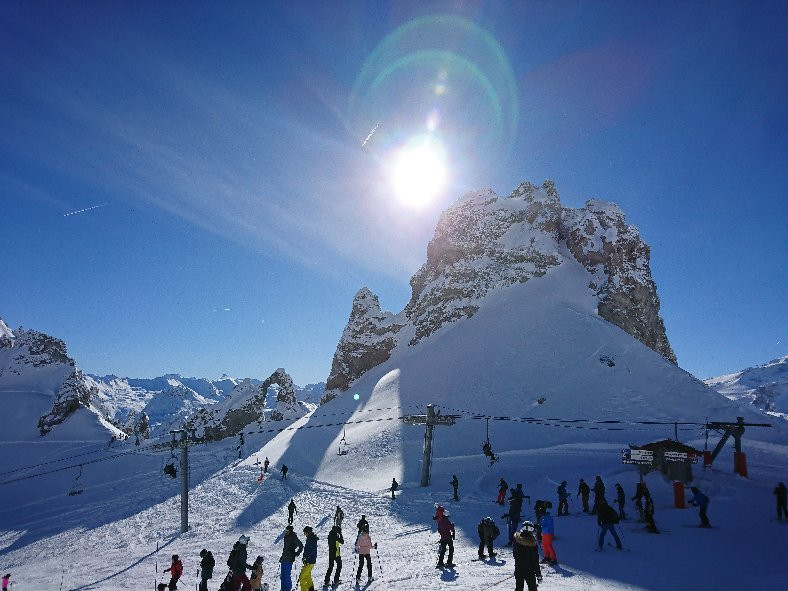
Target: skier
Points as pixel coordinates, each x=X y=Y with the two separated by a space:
x=175 y=570
x=6 y=581
x=265 y=465
x=438 y=514
x=640 y=490
x=702 y=501
x=446 y=530
x=291 y=510
x=502 y=488
x=339 y=515
x=648 y=513
x=335 y=542
x=256 y=579
x=780 y=492
x=364 y=547
x=563 y=499
x=394 y=487
x=206 y=568
x=548 y=533
x=621 y=499
x=292 y=548
x=599 y=494
x=488 y=531
x=238 y=565
x=310 y=558
x=526 y=558
x=607 y=519
x=454 y=484
x=583 y=491
x=512 y=520
x=284 y=471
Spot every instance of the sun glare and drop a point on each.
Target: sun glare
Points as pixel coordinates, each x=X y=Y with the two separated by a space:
x=419 y=172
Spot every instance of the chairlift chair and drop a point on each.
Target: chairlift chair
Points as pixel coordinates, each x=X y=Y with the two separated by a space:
x=75 y=488
x=487 y=446
x=343 y=446
x=169 y=468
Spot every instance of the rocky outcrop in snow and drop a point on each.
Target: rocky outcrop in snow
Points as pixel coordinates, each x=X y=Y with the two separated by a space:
x=72 y=395
x=485 y=242
x=287 y=406
x=244 y=406
x=366 y=342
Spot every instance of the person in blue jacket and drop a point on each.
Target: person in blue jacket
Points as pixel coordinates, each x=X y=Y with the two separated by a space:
x=310 y=558
x=702 y=501
x=548 y=533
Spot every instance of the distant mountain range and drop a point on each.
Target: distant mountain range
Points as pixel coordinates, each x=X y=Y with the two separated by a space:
x=763 y=386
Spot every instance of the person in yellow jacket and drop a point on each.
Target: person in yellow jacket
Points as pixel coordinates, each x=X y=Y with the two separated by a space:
x=335 y=542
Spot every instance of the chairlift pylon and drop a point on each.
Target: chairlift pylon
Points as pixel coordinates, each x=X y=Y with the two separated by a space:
x=75 y=488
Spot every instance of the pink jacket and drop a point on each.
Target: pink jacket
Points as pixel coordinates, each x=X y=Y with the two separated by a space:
x=364 y=544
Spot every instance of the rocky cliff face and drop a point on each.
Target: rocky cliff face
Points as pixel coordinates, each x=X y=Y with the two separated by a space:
x=485 y=242
x=366 y=341
x=36 y=358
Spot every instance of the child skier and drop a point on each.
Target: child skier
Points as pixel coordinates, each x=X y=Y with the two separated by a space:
x=502 y=488
x=446 y=530
x=175 y=570
x=702 y=501
x=256 y=579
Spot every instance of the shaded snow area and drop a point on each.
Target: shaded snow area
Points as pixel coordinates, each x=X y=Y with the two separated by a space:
x=765 y=387
x=567 y=390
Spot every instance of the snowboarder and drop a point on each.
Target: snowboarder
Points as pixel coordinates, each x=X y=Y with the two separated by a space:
x=284 y=471
x=454 y=484
x=256 y=579
x=335 y=542
x=548 y=533
x=607 y=519
x=640 y=491
x=339 y=516
x=265 y=465
x=583 y=491
x=206 y=568
x=446 y=531
x=563 y=499
x=6 y=581
x=175 y=570
x=291 y=550
x=488 y=531
x=526 y=558
x=291 y=510
x=599 y=494
x=780 y=492
x=364 y=547
x=702 y=501
x=648 y=513
x=394 y=487
x=310 y=558
x=502 y=488
x=621 y=499
x=238 y=565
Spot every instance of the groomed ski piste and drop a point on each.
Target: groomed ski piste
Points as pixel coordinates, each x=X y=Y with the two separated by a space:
x=498 y=364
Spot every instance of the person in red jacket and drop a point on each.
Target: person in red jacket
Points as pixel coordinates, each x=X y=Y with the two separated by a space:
x=175 y=570
x=446 y=530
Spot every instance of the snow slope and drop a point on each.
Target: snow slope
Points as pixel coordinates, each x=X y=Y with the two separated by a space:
x=541 y=339
x=764 y=386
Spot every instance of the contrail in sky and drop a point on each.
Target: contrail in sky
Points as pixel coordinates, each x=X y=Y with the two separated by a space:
x=86 y=209
x=371 y=133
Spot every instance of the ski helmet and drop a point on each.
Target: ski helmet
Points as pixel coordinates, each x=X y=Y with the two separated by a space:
x=446 y=514
x=244 y=539
x=528 y=526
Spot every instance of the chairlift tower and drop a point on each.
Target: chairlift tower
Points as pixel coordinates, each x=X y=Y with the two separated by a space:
x=184 y=445
x=431 y=419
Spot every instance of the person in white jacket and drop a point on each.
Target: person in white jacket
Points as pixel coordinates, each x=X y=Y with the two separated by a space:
x=364 y=547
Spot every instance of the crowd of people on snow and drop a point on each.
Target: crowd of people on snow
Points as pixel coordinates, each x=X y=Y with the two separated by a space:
x=525 y=537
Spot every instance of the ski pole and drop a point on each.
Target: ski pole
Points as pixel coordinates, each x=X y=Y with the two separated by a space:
x=499 y=582
x=156 y=578
x=379 y=565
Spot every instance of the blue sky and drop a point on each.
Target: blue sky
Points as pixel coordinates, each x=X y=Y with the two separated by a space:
x=239 y=213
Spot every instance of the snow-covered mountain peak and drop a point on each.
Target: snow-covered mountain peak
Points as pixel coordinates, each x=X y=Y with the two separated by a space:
x=763 y=386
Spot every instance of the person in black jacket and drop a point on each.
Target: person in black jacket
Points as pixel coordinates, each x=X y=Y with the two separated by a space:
x=238 y=565
x=335 y=542
x=621 y=499
x=599 y=495
x=206 y=568
x=780 y=492
x=291 y=510
x=583 y=491
x=488 y=531
x=291 y=550
x=607 y=518
x=455 y=484
x=526 y=558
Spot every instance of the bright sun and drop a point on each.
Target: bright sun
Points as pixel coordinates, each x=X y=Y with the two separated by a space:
x=419 y=172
